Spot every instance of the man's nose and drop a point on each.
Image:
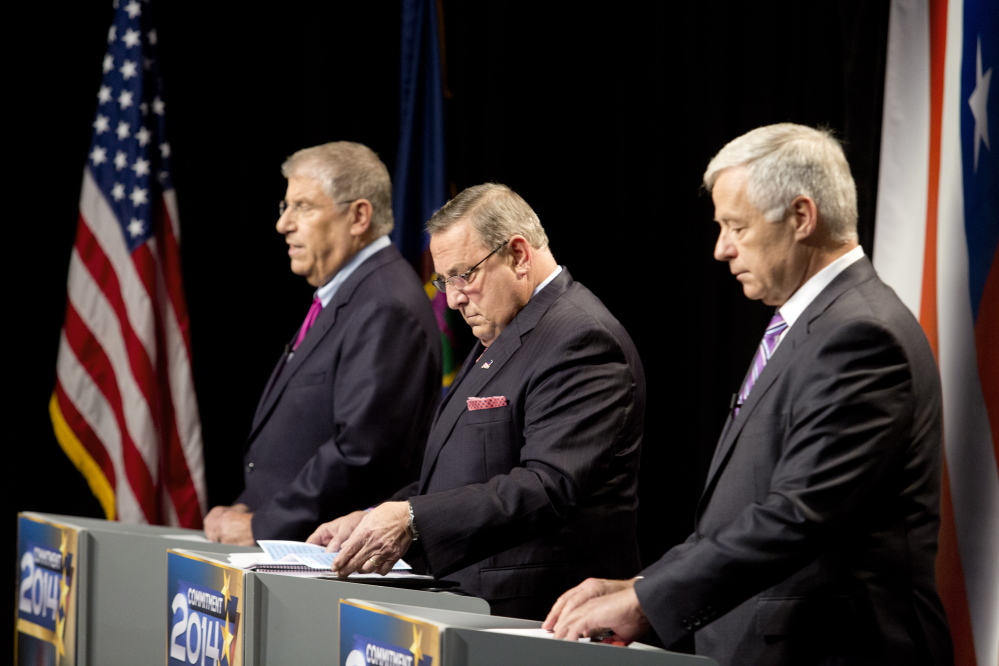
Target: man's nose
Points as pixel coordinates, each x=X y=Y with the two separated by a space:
x=455 y=298
x=284 y=223
x=724 y=249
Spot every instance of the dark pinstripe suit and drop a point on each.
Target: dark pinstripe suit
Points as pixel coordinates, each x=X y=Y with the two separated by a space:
x=343 y=424
x=521 y=502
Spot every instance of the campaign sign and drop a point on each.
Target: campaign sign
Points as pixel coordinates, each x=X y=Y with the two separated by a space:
x=373 y=637
x=46 y=593
x=204 y=612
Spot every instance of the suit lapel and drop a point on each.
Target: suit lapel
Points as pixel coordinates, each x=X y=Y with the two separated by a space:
x=858 y=272
x=285 y=370
x=495 y=357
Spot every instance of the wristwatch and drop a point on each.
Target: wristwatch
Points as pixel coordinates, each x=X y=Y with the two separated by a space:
x=411 y=525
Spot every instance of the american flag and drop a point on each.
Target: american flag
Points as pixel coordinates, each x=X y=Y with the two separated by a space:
x=124 y=407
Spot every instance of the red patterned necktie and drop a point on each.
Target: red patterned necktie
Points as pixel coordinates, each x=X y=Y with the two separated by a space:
x=763 y=353
x=310 y=319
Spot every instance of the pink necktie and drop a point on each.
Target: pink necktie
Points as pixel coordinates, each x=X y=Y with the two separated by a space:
x=763 y=354
x=310 y=319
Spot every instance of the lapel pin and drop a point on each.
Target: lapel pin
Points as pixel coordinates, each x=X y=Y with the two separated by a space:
x=485 y=366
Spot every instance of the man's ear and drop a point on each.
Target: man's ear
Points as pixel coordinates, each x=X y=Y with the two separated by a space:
x=522 y=254
x=360 y=217
x=804 y=217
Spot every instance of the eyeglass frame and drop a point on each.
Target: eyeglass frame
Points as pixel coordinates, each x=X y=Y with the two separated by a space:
x=441 y=283
x=284 y=206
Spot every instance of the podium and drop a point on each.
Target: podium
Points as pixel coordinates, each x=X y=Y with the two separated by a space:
x=385 y=633
x=253 y=618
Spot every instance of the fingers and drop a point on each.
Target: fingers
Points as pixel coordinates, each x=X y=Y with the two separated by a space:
x=321 y=536
x=588 y=589
x=213 y=522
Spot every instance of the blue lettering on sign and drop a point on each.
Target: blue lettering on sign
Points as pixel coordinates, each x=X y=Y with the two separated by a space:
x=201 y=619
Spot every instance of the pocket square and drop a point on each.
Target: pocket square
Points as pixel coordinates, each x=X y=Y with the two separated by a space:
x=486 y=403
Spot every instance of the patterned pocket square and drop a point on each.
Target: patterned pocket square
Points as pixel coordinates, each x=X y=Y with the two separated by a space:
x=486 y=403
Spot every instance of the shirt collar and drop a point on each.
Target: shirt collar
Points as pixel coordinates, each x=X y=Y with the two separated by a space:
x=802 y=298
x=558 y=269
x=326 y=292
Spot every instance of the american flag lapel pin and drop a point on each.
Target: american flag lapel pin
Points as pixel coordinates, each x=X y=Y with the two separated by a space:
x=485 y=366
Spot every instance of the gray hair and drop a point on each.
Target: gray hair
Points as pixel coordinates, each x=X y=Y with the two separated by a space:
x=348 y=171
x=496 y=212
x=785 y=161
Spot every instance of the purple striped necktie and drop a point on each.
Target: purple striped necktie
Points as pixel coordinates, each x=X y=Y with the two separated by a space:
x=763 y=353
x=310 y=319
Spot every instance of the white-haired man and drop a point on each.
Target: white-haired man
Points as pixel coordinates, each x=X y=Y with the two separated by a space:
x=816 y=533
x=529 y=477
x=343 y=420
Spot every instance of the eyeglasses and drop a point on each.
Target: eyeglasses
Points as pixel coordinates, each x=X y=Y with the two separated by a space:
x=303 y=208
x=459 y=282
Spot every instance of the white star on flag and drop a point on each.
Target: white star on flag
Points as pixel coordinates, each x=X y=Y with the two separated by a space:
x=143 y=136
x=108 y=63
x=144 y=108
x=979 y=104
x=131 y=38
x=141 y=167
x=112 y=33
x=104 y=95
x=158 y=106
x=125 y=99
x=133 y=9
x=138 y=196
x=165 y=149
x=101 y=124
x=136 y=227
x=118 y=191
x=151 y=37
x=128 y=70
x=123 y=130
x=120 y=161
x=99 y=155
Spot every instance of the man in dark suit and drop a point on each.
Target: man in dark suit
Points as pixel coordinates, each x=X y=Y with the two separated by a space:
x=816 y=533
x=529 y=476
x=344 y=418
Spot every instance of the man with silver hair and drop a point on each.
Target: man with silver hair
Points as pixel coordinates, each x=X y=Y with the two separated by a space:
x=816 y=533
x=343 y=420
x=530 y=472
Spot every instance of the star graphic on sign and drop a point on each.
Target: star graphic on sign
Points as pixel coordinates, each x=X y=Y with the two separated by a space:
x=136 y=227
x=225 y=588
x=101 y=124
x=143 y=136
x=128 y=70
x=118 y=191
x=64 y=544
x=158 y=106
x=99 y=155
x=165 y=149
x=133 y=9
x=63 y=593
x=138 y=196
x=141 y=167
x=125 y=99
x=104 y=95
x=151 y=37
x=979 y=104
x=120 y=160
x=131 y=38
x=60 y=632
x=123 y=130
x=108 y=63
x=112 y=33
x=227 y=636
x=415 y=647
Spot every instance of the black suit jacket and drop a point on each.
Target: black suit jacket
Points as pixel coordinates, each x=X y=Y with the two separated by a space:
x=343 y=423
x=817 y=530
x=521 y=502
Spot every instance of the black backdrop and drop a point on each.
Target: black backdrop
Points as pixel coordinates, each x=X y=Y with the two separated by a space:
x=603 y=120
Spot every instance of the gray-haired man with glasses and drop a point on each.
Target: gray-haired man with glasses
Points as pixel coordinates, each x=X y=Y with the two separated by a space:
x=344 y=418
x=530 y=471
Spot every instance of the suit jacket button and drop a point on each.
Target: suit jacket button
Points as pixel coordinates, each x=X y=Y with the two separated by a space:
x=249 y=467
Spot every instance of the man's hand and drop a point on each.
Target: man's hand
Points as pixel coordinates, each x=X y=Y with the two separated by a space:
x=376 y=543
x=595 y=606
x=335 y=532
x=230 y=524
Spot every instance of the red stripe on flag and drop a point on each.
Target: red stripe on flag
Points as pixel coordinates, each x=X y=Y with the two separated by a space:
x=92 y=357
x=986 y=337
x=169 y=251
x=91 y=442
